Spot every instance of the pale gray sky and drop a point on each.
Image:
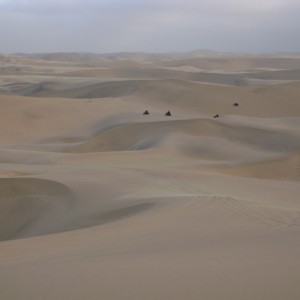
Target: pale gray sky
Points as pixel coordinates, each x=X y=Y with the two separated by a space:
x=149 y=25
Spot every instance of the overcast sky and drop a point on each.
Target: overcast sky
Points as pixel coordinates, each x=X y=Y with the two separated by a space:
x=149 y=25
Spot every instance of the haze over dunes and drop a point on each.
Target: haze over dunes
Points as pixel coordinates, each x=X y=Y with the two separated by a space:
x=98 y=201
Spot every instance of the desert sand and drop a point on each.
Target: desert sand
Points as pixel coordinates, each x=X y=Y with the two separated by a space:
x=98 y=201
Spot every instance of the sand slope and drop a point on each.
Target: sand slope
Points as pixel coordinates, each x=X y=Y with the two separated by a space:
x=98 y=201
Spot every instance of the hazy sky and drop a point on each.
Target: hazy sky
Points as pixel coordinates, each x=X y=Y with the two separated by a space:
x=149 y=25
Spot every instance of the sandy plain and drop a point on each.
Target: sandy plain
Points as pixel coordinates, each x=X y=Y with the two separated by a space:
x=98 y=201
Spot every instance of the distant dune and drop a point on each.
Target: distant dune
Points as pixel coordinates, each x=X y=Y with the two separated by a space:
x=101 y=201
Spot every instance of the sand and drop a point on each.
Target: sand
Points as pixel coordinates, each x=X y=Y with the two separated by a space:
x=98 y=201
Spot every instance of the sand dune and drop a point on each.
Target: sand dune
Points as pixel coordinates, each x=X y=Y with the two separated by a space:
x=100 y=90
x=181 y=94
x=28 y=203
x=187 y=133
x=99 y=201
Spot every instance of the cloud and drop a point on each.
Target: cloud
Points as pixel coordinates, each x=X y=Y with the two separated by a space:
x=77 y=7
x=148 y=25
